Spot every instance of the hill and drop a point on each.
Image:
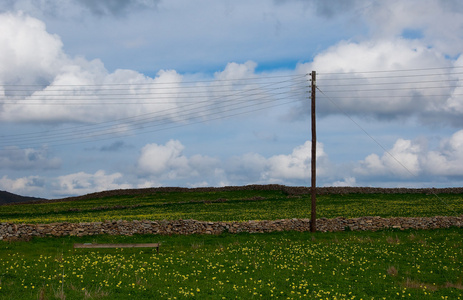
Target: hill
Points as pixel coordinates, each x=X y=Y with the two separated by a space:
x=8 y=198
x=226 y=204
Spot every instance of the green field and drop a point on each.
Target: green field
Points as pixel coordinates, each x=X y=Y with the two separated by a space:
x=388 y=264
x=234 y=206
x=347 y=265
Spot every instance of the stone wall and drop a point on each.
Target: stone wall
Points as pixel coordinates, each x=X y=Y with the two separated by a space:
x=12 y=231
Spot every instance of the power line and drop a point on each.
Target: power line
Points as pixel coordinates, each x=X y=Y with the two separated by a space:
x=157 y=96
x=387 y=77
x=393 y=83
x=268 y=89
x=234 y=80
x=381 y=146
x=390 y=71
x=395 y=88
x=202 y=108
x=110 y=134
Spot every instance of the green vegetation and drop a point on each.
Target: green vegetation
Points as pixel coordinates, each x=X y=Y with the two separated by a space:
x=287 y=265
x=388 y=264
x=233 y=206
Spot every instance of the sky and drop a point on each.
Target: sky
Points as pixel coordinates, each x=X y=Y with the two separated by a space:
x=117 y=94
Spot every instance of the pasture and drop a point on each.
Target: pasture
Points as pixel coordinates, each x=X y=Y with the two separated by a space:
x=239 y=205
x=389 y=264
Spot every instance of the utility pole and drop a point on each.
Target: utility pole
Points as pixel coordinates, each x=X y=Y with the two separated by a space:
x=313 y=217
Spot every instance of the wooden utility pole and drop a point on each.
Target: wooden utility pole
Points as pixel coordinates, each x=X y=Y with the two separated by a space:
x=313 y=217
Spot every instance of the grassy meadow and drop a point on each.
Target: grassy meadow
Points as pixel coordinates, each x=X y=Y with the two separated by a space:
x=233 y=206
x=388 y=264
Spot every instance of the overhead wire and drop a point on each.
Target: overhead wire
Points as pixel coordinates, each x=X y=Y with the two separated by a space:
x=444 y=80
x=206 y=102
x=390 y=71
x=95 y=98
x=119 y=133
x=234 y=80
x=262 y=94
x=211 y=103
x=344 y=95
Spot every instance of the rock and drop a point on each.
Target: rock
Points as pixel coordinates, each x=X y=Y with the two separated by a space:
x=11 y=231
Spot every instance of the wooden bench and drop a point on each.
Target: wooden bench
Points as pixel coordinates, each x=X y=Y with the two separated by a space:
x=142 y=245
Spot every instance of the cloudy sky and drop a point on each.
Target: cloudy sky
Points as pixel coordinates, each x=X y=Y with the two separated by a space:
x=113 y=94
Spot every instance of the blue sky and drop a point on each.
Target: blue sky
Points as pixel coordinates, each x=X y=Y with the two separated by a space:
x=112 y=94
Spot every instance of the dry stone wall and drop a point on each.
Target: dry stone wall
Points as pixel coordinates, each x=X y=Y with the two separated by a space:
x=12 y=231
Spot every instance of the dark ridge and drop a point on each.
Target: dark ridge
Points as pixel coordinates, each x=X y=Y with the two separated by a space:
x=9 y=198
x=290 y=190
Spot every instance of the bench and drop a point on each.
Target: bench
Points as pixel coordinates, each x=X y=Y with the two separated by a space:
x=142 y=245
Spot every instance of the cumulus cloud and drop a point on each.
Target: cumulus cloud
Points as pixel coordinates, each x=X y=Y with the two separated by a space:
x=28 y=54
x=167 y=162
x=428 y=96
x=448 y=159
x=437 y=44
x=50 y=67
x=83 y=183
x=14 y=158
x=246 y=168
x=157 y=159
x=27 y=186
x=439 y=21
x=412 y=159
x=74 y=184
x=295 y=166
x=31 y=56
x=402 y=160
x=57 y=88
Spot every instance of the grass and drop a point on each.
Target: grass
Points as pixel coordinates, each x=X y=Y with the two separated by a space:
x=286 y=265
x=348 y=265
x=233 y=206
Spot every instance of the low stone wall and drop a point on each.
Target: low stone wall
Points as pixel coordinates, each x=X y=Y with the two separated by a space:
x=12 y=231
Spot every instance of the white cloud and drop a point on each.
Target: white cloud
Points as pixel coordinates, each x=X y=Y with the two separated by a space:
x=402 y=160
x=79 y=90
x=348 y=181
x=292 y=169
x=246 y=168
x=157 y=159
x=75 y=184
x=167 y=162
x=28 y=53
x=363 y=35
x=31 y=55
x=439 y=21
x=296 y=165
x=15 y=158
x=83 y=183
x=412 y=160
x=51 y=67
x=167 y=165
x=394 y=95
x=448 y=159
x=27 y=186
x=237 y=71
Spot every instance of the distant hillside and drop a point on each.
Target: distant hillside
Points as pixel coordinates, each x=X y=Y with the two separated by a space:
x=8 y=198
